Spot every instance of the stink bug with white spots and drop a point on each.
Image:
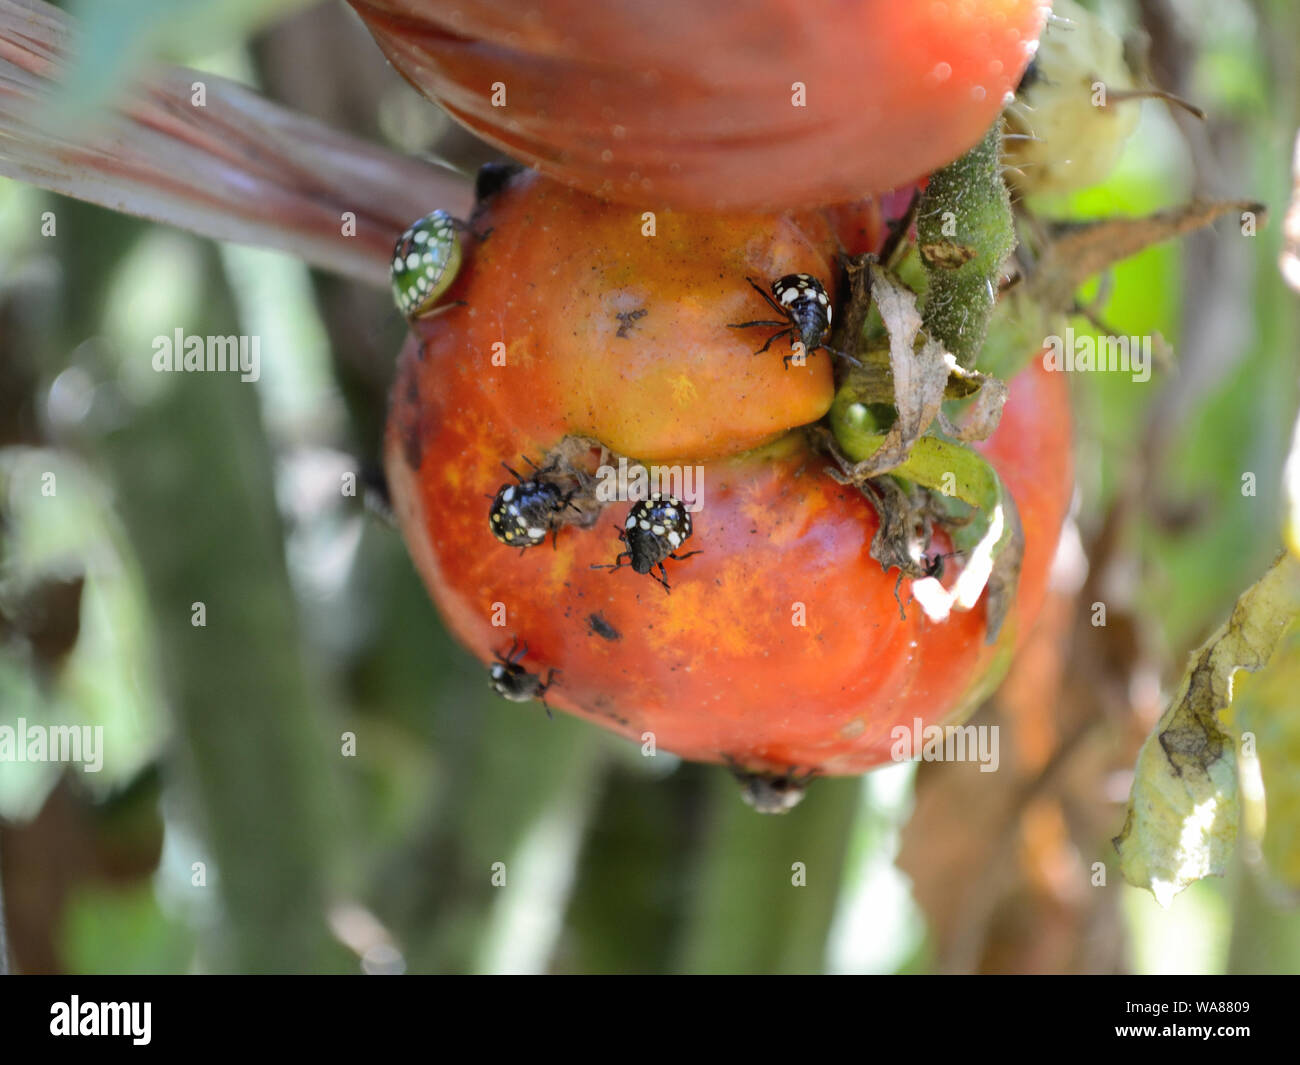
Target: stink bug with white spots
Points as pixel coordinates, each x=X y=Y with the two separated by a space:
x=426 y=260
x=805 y=311
x=511 y=681
x=655 y=529
x=523 y=513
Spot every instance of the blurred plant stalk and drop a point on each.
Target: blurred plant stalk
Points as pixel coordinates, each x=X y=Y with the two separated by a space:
x=205 y=154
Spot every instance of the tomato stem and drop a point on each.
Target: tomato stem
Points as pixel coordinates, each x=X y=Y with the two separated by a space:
x=964 y=234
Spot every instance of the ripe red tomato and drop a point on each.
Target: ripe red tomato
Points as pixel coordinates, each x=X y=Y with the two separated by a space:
x=781 y=643
x=555 y=292
x=762 y=105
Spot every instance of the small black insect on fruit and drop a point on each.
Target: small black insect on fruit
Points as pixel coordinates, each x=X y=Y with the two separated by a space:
x=654 y=530
x=805 y=311
x=492 y=177
x=931 y=566
x=1032 y=76
x=770 y=792
x=511 y=681
x=523 y=513
x=934 y=564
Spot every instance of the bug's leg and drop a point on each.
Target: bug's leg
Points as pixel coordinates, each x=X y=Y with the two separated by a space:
x=542 y=471
x=622 y=539
x=550 y=467
x=796 y=348
x=767 y=296
x=617 y=564
x=434 y=311
x=842 y=355
x=513 y=474
x=510 y=655
x=662 y=578
x=683 y=558
x=541 y=692
x=761 y=321
x=465 y=227
x=770 y=340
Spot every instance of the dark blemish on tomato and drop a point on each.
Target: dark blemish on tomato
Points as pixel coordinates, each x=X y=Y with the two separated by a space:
x=627 y=319
x=412 y=441
x=409 y=419
x=602 y=628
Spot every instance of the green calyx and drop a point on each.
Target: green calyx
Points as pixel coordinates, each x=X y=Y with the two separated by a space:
x=985 y=525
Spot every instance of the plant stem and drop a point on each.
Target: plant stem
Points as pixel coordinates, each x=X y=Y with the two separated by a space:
x=965 y=233
x=237 y=167
x=4 y=939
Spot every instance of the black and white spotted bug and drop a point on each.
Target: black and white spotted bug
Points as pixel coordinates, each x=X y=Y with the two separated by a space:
x=805 y=311
x=524 y=512
x=426 y=259
x=655 y=529
x=511 y=681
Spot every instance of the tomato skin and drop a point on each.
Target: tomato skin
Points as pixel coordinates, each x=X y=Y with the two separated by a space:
x=689 y=105
x=718 y=668
x=543 y=294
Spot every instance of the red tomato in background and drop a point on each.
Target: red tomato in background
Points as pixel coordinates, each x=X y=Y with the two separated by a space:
x=718 y=669
x=749 y=105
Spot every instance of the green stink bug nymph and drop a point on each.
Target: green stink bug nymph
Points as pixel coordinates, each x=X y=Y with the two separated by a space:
x=426 y=259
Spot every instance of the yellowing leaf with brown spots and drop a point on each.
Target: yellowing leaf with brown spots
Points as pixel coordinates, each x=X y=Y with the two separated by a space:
x=1265 y=709
x=1183 y=810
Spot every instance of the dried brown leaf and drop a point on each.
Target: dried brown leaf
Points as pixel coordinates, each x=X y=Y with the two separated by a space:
x=1079 y=250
